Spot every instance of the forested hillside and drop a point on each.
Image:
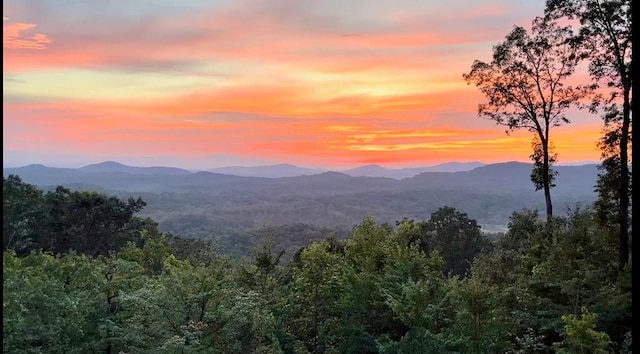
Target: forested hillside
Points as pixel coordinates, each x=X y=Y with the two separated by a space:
x=205 y=204
x=83 y=272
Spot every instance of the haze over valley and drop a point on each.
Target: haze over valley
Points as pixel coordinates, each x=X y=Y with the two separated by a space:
x=225 y=201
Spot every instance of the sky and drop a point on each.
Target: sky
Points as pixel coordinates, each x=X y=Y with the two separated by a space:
x=316 y=83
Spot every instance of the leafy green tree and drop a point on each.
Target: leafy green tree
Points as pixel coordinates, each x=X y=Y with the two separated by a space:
x=197 y=251
x=605 y=36
x=22 y=210
x=369 y=253
x=122 y=278
x=580 y=335
x=456 y=236
x=50 y=304
x=197 y=290
x=522 y=230
x=316 y=292
x=525 y=85
x=610 y=204
x=266 y=262
x=416 y=291
x=151 y=254
x=88 y=222
x=481 y=325
x=545 y=270
x=203 y=310
x=579 y=270
x=522 y=317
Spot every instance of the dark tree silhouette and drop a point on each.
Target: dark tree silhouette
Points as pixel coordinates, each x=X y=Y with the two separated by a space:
x=605 y=36
x=525 y=85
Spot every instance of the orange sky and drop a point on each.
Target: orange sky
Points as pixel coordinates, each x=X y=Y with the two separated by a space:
x=317 y=84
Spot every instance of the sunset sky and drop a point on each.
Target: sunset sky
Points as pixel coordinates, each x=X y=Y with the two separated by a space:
x=316 y=83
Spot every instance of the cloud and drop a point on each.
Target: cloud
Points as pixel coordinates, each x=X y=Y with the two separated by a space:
x=330 y=81
x=103 y=130
x=126 y=36
x=20 y=36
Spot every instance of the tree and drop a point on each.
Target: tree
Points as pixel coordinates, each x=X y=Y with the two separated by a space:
x=525 y=85
x=580 y=335
x=545 y=270
x=605 y=35
x=537 y=175
x=416 y=291
x=371 y=253
x=481 y=325
x=89 y=222
x=22 y=208
x=316 y=291
x=51 y=304
x=266 y=262
x=455 y=235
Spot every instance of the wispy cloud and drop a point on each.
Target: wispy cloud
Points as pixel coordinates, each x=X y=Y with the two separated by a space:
x=22 y=36
x=328 y=82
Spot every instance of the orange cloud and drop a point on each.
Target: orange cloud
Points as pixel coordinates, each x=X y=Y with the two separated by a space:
x=302 y=100
x=348 y=141
x=19 y=36
x=304 y=82
x=397 y=147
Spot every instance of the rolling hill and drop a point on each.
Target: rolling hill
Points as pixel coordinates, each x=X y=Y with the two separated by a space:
x=203 y=203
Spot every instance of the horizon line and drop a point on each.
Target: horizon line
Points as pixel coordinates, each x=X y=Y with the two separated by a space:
x=320 y=169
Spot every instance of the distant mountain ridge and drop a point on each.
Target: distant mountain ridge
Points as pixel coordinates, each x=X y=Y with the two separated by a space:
x=500 y=176
x=269 y=171
x=449 y=171
x=112 y=166
x=488 y=193
x=372 y=170
x=274 y=171
x=278 y=170
x=401 y=173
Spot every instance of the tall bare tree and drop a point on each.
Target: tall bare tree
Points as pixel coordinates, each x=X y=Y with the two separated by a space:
x=605 y=35
x=526 y=88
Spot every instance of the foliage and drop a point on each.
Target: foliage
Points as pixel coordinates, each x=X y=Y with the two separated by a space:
x=22 y=209
x=49 y=303
x=62 y=220
x=605 y=36
x=480 y=324
x=580 y=335
x=525 y=85
x=547 y=270
x=384 y=289
x=88 y=222
x=316 y=291
x=537 y=175
x=83 y=274
x=456 y=236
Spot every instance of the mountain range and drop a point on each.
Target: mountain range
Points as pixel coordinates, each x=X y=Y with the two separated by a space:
x=288 y=170
x=272 y=171
x=204 y=202
x=269 y=171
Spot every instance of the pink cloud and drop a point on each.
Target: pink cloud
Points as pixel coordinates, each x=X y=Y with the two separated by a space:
x=248 y=33
x=20 y=36
x=300 y=82
x=68 y=127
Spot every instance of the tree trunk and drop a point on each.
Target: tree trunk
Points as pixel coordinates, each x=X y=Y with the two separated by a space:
x=546 y=181
x=624 y=181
